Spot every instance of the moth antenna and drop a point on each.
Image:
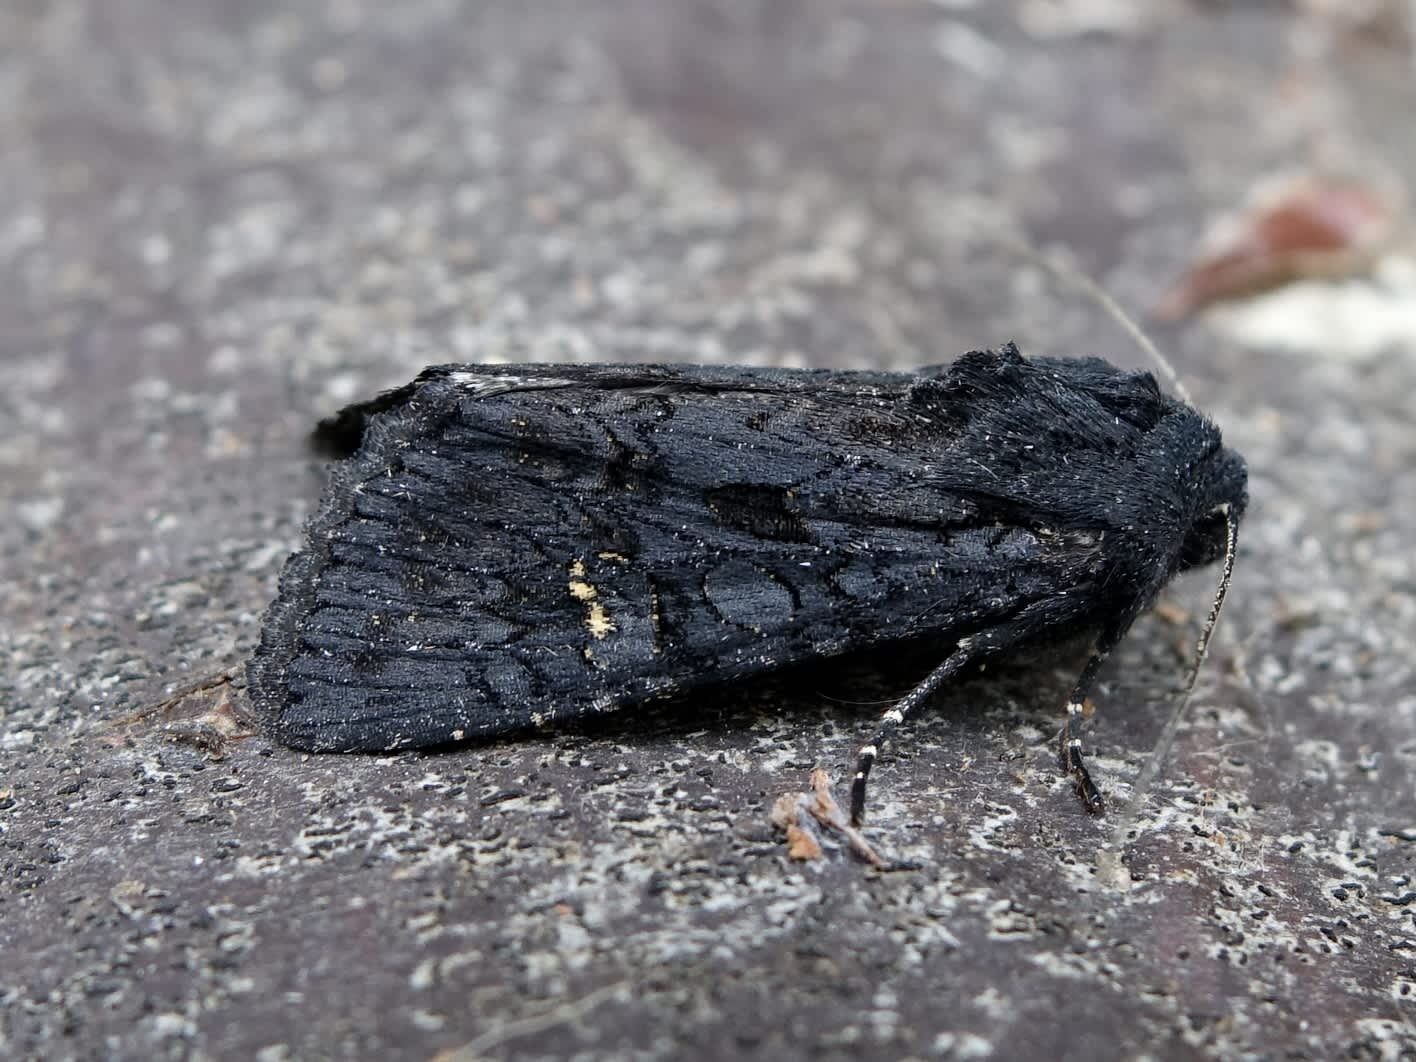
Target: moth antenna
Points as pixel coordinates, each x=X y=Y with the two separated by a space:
x=1231 y=546
x=1070 y=274
x=1127 y=818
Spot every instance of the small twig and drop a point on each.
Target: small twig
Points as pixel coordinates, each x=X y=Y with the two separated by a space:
x=560 y=1014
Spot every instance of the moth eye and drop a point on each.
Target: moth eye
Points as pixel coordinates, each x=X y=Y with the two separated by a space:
x=1205 y=541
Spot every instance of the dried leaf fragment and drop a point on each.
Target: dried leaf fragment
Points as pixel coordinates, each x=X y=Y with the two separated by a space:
x=202 y=714
x=801 y=817
x=1305 y=226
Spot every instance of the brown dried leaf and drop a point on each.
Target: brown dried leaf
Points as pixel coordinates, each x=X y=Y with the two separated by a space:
x=797 y=815
x=202 y=713
x=801 y=845
x=1171 y=613
x=1306 y=226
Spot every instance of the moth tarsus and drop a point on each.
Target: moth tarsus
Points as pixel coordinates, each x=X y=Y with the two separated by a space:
x=1074 y=764
x=506 y=547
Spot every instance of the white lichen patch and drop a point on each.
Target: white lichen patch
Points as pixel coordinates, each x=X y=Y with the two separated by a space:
x=1352 y=320
x=962 y=1046
x=996 y=821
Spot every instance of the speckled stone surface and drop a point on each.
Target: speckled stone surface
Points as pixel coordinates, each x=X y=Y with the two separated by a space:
x=219 y=221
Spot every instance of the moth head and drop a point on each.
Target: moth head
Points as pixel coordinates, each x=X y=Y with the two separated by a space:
x=1222 y=500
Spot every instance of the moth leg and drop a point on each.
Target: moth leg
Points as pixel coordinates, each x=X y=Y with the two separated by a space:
x=969 y=650
x=1069 y=744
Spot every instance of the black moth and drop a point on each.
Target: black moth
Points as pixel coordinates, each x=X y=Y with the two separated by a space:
x=505 y=547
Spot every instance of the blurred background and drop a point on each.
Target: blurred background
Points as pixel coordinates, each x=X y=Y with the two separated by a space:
x=222 y=220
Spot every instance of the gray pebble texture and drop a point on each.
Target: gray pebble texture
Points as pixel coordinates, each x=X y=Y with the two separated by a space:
x=221 y=221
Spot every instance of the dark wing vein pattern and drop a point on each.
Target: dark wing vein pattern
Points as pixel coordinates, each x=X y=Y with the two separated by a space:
x=508 y=546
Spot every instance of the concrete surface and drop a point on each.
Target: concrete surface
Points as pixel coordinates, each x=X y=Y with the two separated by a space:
x=221 y=220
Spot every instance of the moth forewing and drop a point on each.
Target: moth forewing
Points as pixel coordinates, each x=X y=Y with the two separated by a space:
x=503 y=547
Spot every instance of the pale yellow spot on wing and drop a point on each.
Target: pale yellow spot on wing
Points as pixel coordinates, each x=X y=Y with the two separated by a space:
x=579 y=588
x=598 y=621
